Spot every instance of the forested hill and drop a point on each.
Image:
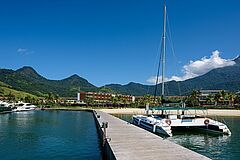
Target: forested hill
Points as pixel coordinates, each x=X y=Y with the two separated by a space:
x=28 y=80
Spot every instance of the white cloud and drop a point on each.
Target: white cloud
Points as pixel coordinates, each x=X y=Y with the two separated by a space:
x=153 y=79
x=24 y=51
x=198 y=67
x=21 y=50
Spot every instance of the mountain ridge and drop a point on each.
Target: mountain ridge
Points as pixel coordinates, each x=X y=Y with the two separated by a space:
x=27 y=79
x=227 y=78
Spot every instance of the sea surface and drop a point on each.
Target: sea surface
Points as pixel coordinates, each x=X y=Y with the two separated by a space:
x=54 y=135
x=214 y=146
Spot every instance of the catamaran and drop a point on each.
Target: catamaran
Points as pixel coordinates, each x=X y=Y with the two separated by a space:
x=172 y=119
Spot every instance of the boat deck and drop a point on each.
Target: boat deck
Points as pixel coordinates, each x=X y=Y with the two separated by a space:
x=134 y=143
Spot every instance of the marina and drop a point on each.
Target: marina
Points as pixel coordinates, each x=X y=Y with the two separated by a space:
x=120 y=80
x=122 y=141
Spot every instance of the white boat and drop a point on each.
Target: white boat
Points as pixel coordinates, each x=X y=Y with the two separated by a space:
x=24 y=107
x=166 y=123
x=153 y=123
x=5 y=107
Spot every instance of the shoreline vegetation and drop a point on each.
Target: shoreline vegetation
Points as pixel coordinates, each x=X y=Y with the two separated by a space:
x=209 y=112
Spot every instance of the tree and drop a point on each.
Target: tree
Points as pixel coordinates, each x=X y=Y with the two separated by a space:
x=27 y=99
x=223 y=96
x=11 y=97
x=217 y=98
x=50 y=97
x=231 y=97
x=1 y=91
x=147 y=98
x=210 y=98
x=89 y=100
x=193 y=98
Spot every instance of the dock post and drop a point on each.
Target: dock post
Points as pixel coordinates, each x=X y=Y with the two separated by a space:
x=104 y=126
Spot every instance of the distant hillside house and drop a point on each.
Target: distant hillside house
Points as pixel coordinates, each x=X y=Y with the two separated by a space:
x=106 y=97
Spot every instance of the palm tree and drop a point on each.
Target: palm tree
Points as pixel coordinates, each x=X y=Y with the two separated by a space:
x=193 y=98
x=147 y=98
x=237 y=100
x=231 y=97
x=217 y=98
x=210 y=98
x=114 y=100
x=223 y=96
x=50 y=97
x=89 y=100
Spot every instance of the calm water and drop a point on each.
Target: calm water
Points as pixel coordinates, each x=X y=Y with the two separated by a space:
x=55 y=135
x=217 y=147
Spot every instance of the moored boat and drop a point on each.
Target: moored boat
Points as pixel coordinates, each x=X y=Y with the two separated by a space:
x=181 y=120
x=165 y=122
x=5 y=107
x=153 y=124
x=24 y=107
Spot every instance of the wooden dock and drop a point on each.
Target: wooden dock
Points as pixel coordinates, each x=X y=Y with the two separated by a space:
x=129 y=142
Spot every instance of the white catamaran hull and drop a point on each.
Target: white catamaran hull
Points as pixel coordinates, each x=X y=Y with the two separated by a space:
x=165 y=126
x=152 y=125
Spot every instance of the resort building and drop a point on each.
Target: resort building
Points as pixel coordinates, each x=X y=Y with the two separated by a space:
x=205 y=93
x=208 y=97
x=105 y=97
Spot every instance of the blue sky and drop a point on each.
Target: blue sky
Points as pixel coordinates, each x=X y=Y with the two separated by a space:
x=115 y=41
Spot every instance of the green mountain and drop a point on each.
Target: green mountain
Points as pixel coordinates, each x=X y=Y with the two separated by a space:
x=28 y=80
x=227 y=78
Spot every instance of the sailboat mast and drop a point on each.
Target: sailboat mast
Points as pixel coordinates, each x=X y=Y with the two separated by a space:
x=164 y=48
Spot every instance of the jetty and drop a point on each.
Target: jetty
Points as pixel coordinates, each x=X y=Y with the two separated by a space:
x=124 y=141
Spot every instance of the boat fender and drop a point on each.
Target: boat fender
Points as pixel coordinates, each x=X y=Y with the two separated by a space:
x=168 y=121
x=206 y=122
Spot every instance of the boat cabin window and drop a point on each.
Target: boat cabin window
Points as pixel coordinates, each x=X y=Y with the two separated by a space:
x=187 y=116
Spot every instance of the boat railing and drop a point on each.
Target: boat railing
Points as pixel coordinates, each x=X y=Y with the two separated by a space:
x=218 y=119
